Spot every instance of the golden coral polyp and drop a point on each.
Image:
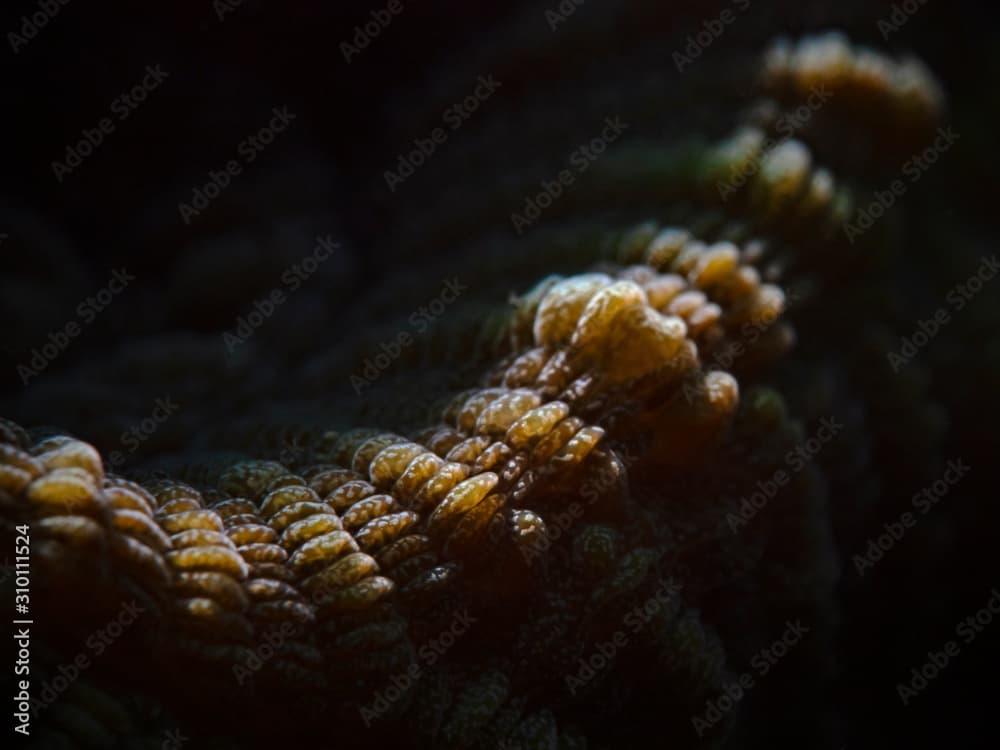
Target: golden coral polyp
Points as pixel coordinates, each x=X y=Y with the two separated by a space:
x=858 y=78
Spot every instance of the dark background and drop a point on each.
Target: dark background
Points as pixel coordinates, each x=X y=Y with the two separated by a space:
x=226 y=75
x=120 y=206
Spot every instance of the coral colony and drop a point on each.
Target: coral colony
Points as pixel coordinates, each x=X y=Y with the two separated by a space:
x=543 y=566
